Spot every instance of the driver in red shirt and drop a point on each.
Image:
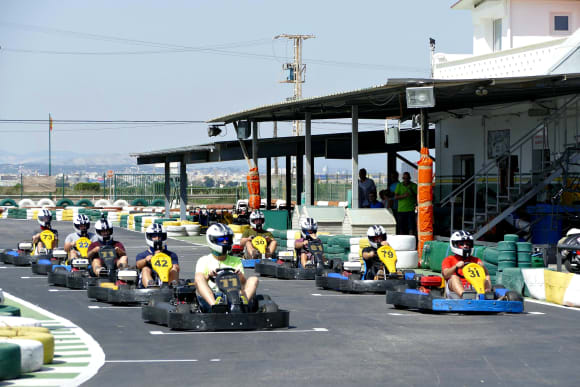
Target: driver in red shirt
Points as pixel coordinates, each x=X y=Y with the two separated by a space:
x=461 y=243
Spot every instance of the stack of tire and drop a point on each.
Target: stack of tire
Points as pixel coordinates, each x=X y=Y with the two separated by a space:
x=524 y=254
x=507 y=253
x=24 y=346
x=337 y=247
x=191 y=228
x=123 y=221
x=175 y=229
x=285 y=238
x=68 y=215
x=17 y=213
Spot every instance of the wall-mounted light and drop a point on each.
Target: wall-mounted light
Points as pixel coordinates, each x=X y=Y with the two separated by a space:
x=420 y=97
x=213 y=130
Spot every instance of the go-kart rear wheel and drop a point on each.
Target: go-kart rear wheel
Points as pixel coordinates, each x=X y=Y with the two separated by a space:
x=513 y=296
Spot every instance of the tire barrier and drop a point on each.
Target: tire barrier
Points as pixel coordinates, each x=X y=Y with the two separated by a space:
x=64 y=202
x=9 y=361
x=139 y=202
x=26 y=203
x=46 y=202
x=158 y=203
x=8 y=202
x=14 y=322
x=31 y=354
x=102 y=203
x=121 y=203
x=402 y=242
x=8 y=310
x=85 y=203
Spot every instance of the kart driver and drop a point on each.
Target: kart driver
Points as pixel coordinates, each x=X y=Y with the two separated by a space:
x=257 y=220
x=461 y=243
x=104 y=232
x=44 y=219
x=155 y=236
x=308 y=230
x=373 y=266
x=81 y=225
x=220 y=240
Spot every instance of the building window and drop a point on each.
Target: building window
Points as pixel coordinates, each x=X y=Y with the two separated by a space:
x=497 y=35
x=560 y=23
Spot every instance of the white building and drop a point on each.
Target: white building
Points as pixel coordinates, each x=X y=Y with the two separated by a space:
x=514 y=38
x=518 y=148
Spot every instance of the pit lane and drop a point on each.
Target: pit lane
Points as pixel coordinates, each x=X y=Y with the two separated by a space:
x=334 y=339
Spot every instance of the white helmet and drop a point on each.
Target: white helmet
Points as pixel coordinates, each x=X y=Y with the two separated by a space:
x=257 y=219
x=220 y=238
x=376 y=235
x=44 y=217
x=155 y=230
x=461 y=236
x=308 y=226
x=82 y=219
x=101 y=226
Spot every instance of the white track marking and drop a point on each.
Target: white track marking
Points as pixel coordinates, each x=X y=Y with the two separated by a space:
x=35 y=277
x=154 y=361
x=97 y=358
x=66 y=290
x=347 y=295
x=113 y=307
x=240 y=332
x=554 y=305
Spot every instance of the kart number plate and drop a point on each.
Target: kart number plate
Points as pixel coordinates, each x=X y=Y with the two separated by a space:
x=388 y=257
x=82 y=246
x=475 y=275
x=47 y=238
x=229 y=283
x=259 y=243
x=161 y=263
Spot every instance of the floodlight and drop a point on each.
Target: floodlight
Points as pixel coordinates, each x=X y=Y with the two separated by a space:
x=420 y=97
x=213 y=131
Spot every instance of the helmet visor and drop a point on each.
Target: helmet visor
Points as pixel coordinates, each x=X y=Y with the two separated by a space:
x=377 y=238
x=258 y=221
x=464 y=244
x=45 y=219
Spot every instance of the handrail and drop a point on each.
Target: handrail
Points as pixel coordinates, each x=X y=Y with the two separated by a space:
x=520 y=142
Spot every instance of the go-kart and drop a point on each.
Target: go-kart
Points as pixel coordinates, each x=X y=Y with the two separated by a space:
x=569 y=248
x=427 y=293
x=20 y=256
x=43 y=257
x=290 y=269
x=60 y=273
x=121 y=286
x=183 y=312
x=260 y=244
x=347 y=278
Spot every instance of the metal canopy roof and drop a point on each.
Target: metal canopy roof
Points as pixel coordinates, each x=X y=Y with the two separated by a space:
x=332 y=146
x=389 y=100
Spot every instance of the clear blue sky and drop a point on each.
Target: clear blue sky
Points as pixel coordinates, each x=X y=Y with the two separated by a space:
x=151 y=80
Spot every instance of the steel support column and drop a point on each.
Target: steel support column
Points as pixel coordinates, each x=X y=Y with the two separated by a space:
x=167 y=189
x=299 y=175
x=354 y=186
x=183 y=190
x=268 y=183
x=308 y=152
x=289 y=185
x=255 y=143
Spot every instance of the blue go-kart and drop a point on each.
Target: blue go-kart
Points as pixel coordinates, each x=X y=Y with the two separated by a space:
x=427 y=293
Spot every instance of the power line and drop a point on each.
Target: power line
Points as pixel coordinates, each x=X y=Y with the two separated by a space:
x=106 y=121
x=174 y=48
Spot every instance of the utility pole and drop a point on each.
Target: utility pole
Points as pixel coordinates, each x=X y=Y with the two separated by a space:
x=296 y=75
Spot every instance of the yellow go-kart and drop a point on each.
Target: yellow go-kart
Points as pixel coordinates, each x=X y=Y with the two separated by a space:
x=121 y=286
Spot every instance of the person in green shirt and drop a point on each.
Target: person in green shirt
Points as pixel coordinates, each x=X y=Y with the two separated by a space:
x=406 y=195
x=257 y=221
x=220 y=239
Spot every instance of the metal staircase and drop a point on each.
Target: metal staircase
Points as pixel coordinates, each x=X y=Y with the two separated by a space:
x=494 y=192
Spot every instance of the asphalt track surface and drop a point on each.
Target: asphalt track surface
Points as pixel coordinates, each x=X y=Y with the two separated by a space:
x=334 y=339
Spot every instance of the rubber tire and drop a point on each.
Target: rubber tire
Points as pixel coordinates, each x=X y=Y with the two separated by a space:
x=26 y=203
x=402 y=242
x=121 y=203
x=158 y=203
x=8 y=310
x=9 y=361
x=139 y=202
x=31 y=354
x=64 y=203
x=513 y=296
x=8 y=202
x=15 y=321
x=45 y=202
x=102 y=203
x=407 y=259
x=85 y=203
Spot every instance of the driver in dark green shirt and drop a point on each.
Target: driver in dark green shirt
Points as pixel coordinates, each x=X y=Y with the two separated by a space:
x=257 y=220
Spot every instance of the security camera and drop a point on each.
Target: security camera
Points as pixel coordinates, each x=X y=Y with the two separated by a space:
x=213 y=131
